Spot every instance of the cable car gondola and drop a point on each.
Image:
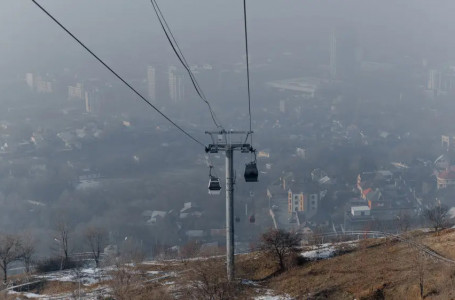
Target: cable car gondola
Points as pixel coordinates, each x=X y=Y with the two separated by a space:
x=252 y=219
x=214 y=184
x=251 y=172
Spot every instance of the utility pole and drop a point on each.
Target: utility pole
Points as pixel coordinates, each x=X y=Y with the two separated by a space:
x=224 y=141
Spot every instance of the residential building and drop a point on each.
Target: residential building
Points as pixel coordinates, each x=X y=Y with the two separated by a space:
x=190 y=210
x=304 y=199
x=446 y=178
x=448 y=142
x=360 y=211
x=333 y=56
x=76 y=91
x=176 y=85
x=151 y=83
x=153 y=216
x=29 y=80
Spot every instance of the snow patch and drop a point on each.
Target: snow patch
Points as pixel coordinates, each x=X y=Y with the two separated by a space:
x=270 y=296
x=325 y=251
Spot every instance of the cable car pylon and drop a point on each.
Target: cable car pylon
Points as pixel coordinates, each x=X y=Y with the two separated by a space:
x=222 y=141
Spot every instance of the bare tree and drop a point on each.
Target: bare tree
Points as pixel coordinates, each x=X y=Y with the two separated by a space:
x=280 y=244
x=26 y=251
x=125 y=280
x=95 y=238
x=62 y=239
x=9 y=252
x=438 y=217
x=403 y=221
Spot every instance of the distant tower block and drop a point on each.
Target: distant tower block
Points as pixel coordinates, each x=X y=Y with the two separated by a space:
x=282 y=106
x=151 y=82
x=29 y=80
x=448 y=142
x=88 y=106
x=333 y=55
x=176 y=85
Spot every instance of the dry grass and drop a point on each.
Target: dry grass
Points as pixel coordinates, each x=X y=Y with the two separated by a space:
x=255 y=266
x=58 y=287
x=378 y=269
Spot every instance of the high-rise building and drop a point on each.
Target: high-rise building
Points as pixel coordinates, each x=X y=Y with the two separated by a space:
x=29 y=80
x=42 y=86
x=76 y=91
x=434 y=77
x=151 y=83
x=176 y=85
x=37 y=83
x=333 y=55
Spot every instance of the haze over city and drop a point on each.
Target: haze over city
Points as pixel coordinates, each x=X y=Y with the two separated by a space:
x=351 y=108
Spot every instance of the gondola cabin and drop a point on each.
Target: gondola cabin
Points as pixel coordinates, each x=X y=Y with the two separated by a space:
x=251 y=172
x=214 y=186
x=252 y=219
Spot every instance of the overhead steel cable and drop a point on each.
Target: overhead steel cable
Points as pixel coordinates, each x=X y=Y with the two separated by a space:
x=174 y=40
x=179 y=54
x=247 y=67
x=175 y=47
x=117 y=75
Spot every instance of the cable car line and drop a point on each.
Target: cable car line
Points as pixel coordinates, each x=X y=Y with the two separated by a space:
x=247 y=66
x=117 y=75
x=175 y=47
x=251 y=171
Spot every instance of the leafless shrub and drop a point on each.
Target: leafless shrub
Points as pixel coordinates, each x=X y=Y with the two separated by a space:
x=403 y=222
x=438 y=217
x=124 y=282
x=280 y=244
x=190 y=250
x=208 y=280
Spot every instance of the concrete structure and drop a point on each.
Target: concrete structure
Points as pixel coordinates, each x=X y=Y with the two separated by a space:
x=38 y=84
x=333 y=56
x=306 y=86
x=448 y=142
x=153 y=216
x=76 y=91
x=176 y=85
x=306 y=202
x=92 y=101
x=446 y=178
x=151 y=83
x=360 y=211
x=29 y=80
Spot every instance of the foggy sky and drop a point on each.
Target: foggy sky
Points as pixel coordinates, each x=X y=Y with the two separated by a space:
x=210 y=30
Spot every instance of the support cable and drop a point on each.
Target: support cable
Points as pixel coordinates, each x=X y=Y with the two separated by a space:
x=175 y=47
x=247 y=67
x=117 y=75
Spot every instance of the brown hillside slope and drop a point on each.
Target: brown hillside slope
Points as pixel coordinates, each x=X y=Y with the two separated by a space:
x=377 y=269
